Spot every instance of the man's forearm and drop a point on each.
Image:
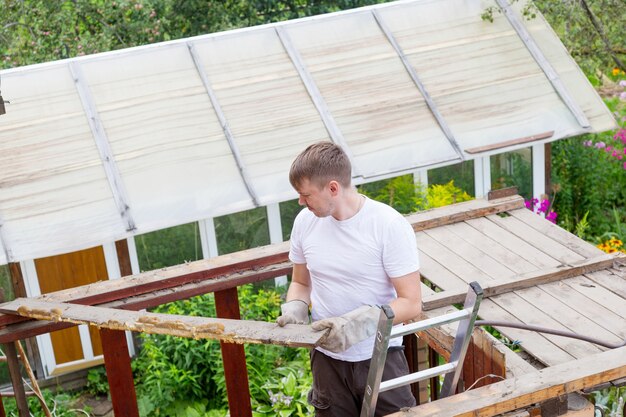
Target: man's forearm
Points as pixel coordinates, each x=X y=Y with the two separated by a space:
x=299 y=291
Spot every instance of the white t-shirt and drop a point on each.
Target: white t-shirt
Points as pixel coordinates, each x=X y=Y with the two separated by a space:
x=351 y=261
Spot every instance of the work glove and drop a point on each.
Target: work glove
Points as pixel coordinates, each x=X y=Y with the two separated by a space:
x=294 y=312
x=349 y=329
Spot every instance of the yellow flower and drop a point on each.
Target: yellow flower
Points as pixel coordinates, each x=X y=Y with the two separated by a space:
x=616 y=71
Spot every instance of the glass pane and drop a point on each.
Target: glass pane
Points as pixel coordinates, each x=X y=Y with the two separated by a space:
x=243 y=230
x=462 y=174
x=5 y=283
x=401 y=193
x=167 y=247
x=513 y=169
x=288 y=212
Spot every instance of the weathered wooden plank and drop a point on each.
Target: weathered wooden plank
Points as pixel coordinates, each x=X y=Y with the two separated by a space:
x=227 y=330
x=470 y=252
x=520 y=392
x=513 y=243
x=610 y=279
x=599 y=294
x=556 y=233
x=494 y=248
x=538 y=345
x=514 y=364
x=547 y=245
x=521 y=281
x=459 y=212
x=439 y=275
x=452 y=261
x=596 y=312
x=28 y=329
x=568 y=315
x=530 y=314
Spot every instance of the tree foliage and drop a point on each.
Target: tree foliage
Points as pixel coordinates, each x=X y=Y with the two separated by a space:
x=33 y=31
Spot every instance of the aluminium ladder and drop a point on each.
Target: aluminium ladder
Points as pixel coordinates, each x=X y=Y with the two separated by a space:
x=451 y=370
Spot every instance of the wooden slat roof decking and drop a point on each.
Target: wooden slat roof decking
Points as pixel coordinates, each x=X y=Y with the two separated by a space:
x=533 y=272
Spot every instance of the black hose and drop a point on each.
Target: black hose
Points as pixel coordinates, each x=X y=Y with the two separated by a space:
x=549 y=331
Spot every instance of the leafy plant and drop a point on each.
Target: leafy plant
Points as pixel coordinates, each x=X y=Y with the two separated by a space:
x=97 y=383
x=610 y=402
x=405 y=196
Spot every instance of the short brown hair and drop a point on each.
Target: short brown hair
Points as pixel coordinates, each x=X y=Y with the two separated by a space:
x=321 y=163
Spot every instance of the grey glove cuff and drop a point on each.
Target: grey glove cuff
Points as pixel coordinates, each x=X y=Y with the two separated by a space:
x=294 y=312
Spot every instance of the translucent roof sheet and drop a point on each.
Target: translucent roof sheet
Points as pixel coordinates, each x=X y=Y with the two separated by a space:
x=98 y=148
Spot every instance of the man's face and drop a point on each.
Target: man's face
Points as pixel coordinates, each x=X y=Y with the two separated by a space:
x=318 y=200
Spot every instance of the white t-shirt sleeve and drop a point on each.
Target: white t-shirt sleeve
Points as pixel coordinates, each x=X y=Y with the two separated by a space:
x=400 y=255
x=296 y=255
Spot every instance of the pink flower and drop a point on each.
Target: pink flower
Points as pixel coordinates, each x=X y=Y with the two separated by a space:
x=600 y=145
x=622 y=83
x=587 y=143
x=552 y=216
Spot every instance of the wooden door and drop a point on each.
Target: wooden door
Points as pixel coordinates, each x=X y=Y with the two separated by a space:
x=70 y=270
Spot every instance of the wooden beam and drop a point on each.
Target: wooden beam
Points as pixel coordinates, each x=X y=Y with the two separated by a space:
x=460 y=212
x=521 y=281
x=227 y=330
x=146 y=282
x=234 y=357
x=119 y=373
x=153 y=299
x=16 y=378
x=516 y=393
x=123 y=257
x=512 y=142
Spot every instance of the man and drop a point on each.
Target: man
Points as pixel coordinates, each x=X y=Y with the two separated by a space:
x=350 y=255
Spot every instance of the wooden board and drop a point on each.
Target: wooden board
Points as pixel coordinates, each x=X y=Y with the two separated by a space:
x=569 y=314
x=610 y=279
x=534 y=343
x=471 y=252
x=226 y=330
x=556 y=250
x=453 y=262
x=530 y=314
x=494 y=248
x=513 y=243
x=590 y=309
x=521 y=281
x=520 y=392
x=599 y=294
x=459 y=212
x=556 y=233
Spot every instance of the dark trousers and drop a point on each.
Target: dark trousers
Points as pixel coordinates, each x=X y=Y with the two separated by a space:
x=338 y=386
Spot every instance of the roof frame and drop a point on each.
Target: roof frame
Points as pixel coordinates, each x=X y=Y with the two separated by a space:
x=316 y=96
x=544 y=64
x=104 y=147
x=243 y=171
x=418 y=83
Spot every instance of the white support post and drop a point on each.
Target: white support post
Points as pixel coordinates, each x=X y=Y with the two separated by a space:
x=276 y=233
x=482 y=176
x=420 y=177
x=46 y=351
x=539 y=170
x=208 y=238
